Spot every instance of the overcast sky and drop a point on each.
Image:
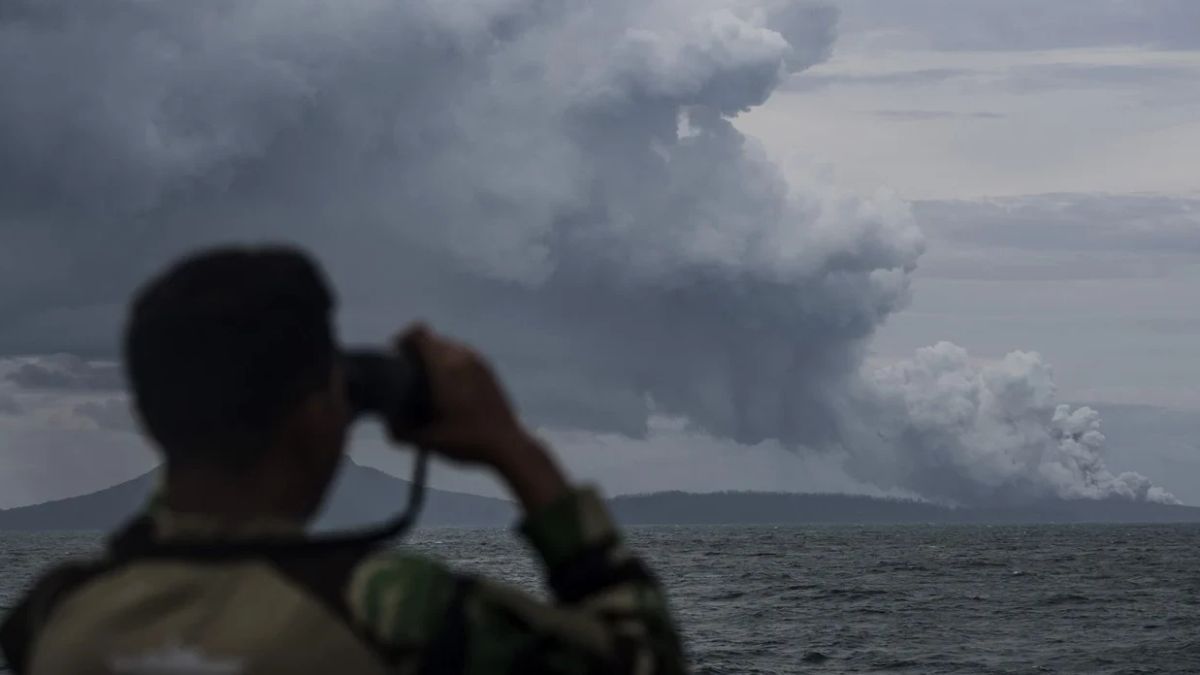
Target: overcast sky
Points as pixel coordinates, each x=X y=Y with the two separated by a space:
x=1048 y=152
x=1053 y=153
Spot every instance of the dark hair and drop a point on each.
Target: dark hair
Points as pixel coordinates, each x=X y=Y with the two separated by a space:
x=222 y=345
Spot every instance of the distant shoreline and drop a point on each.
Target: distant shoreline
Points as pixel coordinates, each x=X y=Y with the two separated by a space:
x=365 y=495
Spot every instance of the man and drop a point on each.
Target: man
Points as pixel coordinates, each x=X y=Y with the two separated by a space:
x=234 y=371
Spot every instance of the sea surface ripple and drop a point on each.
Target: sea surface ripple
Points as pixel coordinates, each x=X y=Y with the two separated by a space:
x=900 y=599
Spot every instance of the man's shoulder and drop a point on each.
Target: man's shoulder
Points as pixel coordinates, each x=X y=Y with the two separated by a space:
x=401 y=598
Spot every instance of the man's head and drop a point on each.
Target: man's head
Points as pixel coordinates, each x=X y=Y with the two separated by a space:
x=232 y=360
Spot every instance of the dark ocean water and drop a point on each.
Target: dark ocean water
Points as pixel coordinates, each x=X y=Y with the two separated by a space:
x=918 y=599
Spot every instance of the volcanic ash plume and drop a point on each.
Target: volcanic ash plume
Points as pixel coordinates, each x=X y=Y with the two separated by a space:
x=965 y=433
x=558 y=180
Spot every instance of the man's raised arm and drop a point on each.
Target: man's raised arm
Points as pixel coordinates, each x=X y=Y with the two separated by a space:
x=609 y=615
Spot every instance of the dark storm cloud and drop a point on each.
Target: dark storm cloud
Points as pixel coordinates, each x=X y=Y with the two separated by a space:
x=560 y=185
x=548 y=216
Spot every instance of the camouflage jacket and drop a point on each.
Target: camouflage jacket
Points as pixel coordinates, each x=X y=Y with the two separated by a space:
x=346 y=609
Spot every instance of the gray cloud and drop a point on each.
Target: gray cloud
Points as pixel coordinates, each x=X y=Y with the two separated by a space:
x=1069 y=222
x=1058 y=76
x=998 y=265
x=109 y=413
x=1172 y=325
x=65 y=371
x=8 y=404
x=1023 y=79
x=897 y=78
x=991 y=25
x=923 y=115
x=566 y=205
x=563 y=187
x=1060 y=237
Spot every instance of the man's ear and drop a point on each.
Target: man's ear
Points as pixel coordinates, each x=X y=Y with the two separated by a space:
x=308 y=449
x=317 y=426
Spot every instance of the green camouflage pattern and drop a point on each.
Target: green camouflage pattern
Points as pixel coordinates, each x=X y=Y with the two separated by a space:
x=347 y=610
x=609 y=614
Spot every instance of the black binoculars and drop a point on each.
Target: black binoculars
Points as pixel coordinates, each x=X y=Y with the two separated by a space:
x=394 y=386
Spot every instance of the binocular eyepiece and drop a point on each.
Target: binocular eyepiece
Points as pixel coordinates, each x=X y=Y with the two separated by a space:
x=394 y=386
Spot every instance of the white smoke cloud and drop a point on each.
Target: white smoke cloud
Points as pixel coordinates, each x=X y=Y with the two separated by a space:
x=958 y=431
x=558 y=180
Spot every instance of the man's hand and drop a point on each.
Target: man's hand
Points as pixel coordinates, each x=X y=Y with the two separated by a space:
x=473 y=420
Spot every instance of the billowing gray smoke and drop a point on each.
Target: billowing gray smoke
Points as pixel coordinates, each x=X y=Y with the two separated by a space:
x=558 y=179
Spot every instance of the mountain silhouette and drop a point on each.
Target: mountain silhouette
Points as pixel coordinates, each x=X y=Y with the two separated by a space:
x=363 y=495
x=360 y=496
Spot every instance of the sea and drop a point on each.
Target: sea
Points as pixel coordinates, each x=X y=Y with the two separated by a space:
x=900 y=599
